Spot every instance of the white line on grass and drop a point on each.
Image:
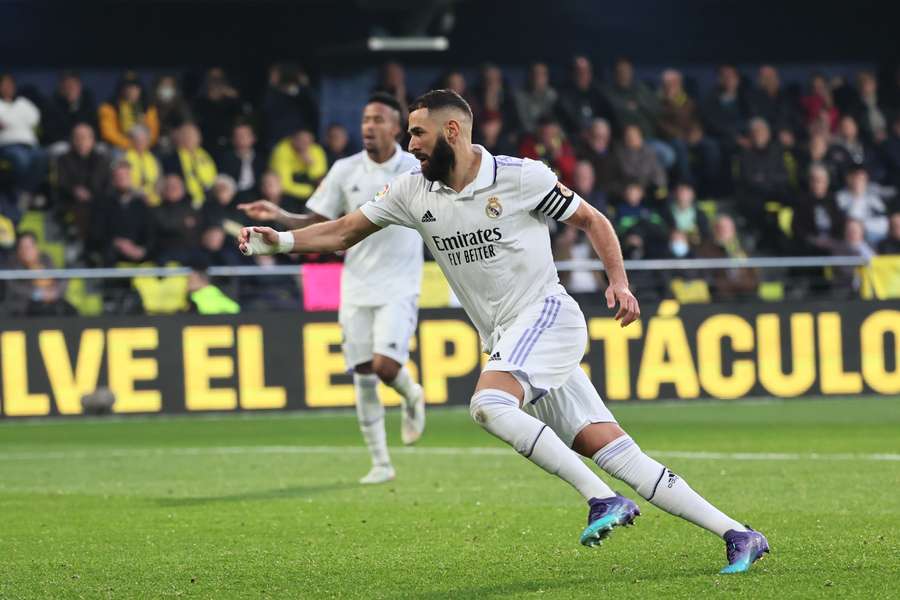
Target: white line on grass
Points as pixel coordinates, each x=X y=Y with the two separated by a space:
x=426 y=450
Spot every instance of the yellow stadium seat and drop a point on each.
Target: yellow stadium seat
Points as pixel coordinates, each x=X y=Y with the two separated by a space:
x=690 y=291
x=881 y=278
x=771 y=291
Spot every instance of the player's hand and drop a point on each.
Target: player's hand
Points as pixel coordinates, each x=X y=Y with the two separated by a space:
x=629 y=311
x=256 y=241
x=261 y=210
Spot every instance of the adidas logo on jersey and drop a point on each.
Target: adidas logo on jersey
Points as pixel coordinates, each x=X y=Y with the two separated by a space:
x=428 y=217
x=495 y=356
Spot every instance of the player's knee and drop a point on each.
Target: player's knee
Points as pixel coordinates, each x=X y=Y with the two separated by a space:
x=386 y=368
x=363 y=368
x=488 y=404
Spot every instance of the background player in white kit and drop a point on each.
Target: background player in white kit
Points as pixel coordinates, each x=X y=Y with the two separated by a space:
x=484 y=219
x=380 y=281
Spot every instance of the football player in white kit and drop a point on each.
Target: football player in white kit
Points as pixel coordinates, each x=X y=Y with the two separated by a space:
x=485 y=220
x=380 y=281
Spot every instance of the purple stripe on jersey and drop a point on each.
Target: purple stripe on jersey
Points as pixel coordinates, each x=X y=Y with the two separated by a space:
x=534 y=331
x=525 y=335
x=549 y=324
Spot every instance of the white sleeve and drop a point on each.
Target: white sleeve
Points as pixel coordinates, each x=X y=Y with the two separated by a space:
x=328 y=199
x=388 y=207
x=543 y=193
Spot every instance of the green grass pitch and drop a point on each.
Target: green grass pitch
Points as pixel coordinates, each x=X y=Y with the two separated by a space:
x=266 y=506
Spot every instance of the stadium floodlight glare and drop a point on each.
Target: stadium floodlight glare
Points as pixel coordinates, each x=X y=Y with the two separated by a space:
x=411 y=44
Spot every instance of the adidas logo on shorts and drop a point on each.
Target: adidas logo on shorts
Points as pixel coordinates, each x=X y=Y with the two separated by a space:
x=495 y=356
x=428 y=217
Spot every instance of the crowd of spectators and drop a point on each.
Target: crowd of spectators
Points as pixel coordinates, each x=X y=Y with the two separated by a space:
x=752 y=166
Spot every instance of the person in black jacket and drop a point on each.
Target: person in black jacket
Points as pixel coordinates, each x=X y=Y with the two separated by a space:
x=891 y=244
x=121 y=230
x=217 y=110
x=817 y=224
x=243 y=162
x=582 y=100
x=83 y=178
x=289 y=105
x=176 y=224
x=69 y=106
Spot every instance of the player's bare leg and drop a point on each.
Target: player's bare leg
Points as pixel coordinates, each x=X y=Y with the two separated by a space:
x=496 y=406
x=616 y=453
x=370 y=414
x=393 y=374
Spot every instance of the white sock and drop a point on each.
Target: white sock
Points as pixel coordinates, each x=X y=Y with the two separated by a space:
x=370 y=414
x=404 y=384
x=623 y=459
x=499 y=413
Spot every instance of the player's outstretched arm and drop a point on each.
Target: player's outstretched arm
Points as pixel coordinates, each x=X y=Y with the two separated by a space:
x=330 y=236
x=605 y=242
x=264 y=210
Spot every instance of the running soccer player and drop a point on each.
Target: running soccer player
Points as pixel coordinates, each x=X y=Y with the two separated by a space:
x=379 y=284
x=485 y=220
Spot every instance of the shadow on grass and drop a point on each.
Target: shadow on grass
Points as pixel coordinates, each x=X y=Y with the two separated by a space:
x=298 y=491
x=504 y=589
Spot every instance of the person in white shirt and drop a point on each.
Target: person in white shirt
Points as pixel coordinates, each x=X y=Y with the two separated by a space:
x=380 y=280
x=485 y=220
x=18 y=142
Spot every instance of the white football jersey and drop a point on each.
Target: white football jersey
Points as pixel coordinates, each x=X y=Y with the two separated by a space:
x=491 y=240
x=388 y=264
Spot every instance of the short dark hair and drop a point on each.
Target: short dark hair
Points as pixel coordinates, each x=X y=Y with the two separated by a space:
x=438 y=99
x=387 y=100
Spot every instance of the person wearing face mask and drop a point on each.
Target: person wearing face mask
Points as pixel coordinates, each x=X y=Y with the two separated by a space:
x=289 y=104
x=172 y=108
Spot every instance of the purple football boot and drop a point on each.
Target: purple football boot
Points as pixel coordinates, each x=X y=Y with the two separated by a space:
x=606 y=513
x=743 y=548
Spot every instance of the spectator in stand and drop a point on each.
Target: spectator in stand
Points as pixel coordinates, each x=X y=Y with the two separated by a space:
x=289 y=104
x=392 y=81
x=492 y=97
x=584 y=182
x=217 y=216
x=582 y=100
x=492 y=135
x=676 y=123
x=891 y=151
x=70 y=105
x=129 y=107
x=172 y=108
x=819 y=105
x=761 y=177
x=817 y=224
x=337 y=143
x=681 y=214
x=83 y=178
x=594 y=147
x=633 y=103
x=641 y=228
x=569 y=242
x=218 y=108
x=270 y=188
x=176 y=224
x=726 y=110
x=845 y=281
x=121 y=228
x=204 y=297
x=34 y=297
x=870 y=112
x=145 y=167
x=849 y=149
x=891 y=244
x=705 y=160
x=859 y=202
x=537 y=99
x=819 y=153
x=191 y=163
x=550 y=147
x=300 y=164
x=772 y=103
x=635 y=161
x=728 y=284
x=243 y=162
x=19 y=118
x=456 y=81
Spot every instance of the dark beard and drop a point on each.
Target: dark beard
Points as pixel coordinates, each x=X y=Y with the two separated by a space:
x=441 y=162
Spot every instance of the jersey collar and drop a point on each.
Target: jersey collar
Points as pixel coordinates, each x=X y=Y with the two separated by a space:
x=392 y=164
x=487 y=176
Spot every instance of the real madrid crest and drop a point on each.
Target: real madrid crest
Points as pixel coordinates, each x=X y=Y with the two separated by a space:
x=493 y=209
